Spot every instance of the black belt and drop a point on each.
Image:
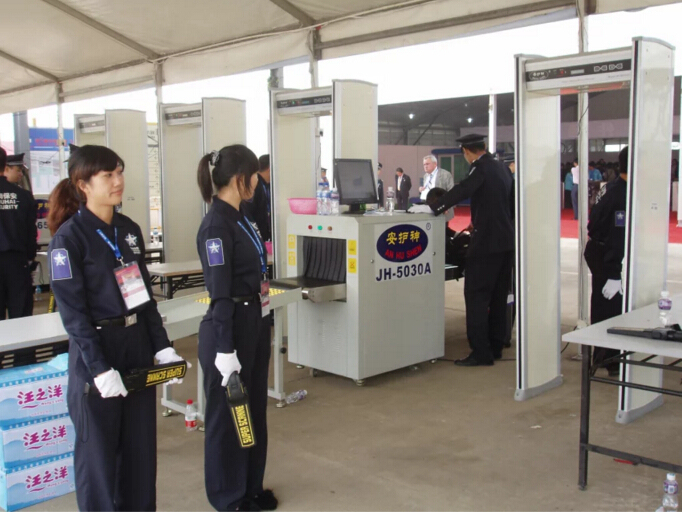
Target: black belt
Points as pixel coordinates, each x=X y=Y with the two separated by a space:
x=246 y=298
x=119 y=321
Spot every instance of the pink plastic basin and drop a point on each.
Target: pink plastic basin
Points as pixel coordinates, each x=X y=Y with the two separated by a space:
x=268 y=246
x=303 y=205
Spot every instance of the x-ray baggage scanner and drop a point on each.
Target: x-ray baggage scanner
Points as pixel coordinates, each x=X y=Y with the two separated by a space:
x=186 y=133
x=647 y=68
x=371 y=286
x=125 y=132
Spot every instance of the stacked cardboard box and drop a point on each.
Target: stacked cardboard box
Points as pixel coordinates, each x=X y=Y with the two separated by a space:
x=36 y=434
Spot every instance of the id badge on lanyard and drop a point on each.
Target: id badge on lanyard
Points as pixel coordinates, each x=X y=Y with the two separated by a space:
x=264 y=282
x=128 y=276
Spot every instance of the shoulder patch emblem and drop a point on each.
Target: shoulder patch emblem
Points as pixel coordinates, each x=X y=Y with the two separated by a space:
x=214 y=251
x=60 y=264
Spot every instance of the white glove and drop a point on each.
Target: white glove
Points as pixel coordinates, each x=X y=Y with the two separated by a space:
x=420 y=208
x=611 y=288
x=169 y=355
x=227 y=364
x=110 y=384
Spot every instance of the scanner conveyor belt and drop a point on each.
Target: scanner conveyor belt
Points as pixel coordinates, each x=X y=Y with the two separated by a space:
x=314 y=290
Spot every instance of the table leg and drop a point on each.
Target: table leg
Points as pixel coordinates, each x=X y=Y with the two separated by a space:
x=584 y=415
x=169 y=288
x=278 y=380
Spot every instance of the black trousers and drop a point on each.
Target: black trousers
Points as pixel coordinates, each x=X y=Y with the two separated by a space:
x=602 y=309
x=115 y=451
x=486 y=285
x=233 y=472
x=16 y=286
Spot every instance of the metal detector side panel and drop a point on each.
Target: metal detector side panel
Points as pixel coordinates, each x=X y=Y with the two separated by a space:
x=293 y=168
x=81 y=137
x=538 y=230
x=182 y=205
x=645 y=264
x=356 y=117
x=126 y=134
x=223 y=123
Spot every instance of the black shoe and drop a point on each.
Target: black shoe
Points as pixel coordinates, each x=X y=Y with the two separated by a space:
x=265 y=500
x=244 y=504
x=470 y=360
x=506 y=344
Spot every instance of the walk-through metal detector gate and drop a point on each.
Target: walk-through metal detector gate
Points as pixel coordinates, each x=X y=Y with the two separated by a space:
x=124 y=131
x=647 y=68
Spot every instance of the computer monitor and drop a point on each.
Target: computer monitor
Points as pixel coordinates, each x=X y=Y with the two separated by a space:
x=355 y=181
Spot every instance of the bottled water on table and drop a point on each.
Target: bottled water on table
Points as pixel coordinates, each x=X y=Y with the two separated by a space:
x=390 y=200
x=664 y=307
x=334 y=202
x=320 y=196
x=190 y=416
x=326 y=200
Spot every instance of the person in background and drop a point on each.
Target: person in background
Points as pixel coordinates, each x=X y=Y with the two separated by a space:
x=489 y=258
x=323 y=176
x=380 y=185
x=575 y=174
x=568 y=190
x=434 y=177
x=403 y=185
x=18 y=246
x=594 y=174
x=259 y=208
x=234 y=336
x=111 y=329
x=17 y=173
x=604 y=253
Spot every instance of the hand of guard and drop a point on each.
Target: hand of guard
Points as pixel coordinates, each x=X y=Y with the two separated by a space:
x=169 y=355
x=227 y=364
x=110 y=384
x=611 y=288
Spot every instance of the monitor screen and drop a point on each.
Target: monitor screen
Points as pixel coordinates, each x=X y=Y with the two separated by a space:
x=355 y=180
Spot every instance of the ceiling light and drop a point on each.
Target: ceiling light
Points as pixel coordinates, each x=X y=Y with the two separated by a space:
x=411 y=115
x=469 y=120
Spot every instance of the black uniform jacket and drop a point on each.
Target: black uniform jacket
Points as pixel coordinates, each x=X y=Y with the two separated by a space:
x=231 y=264
x=18 y=231
x=259 y=208
x=607 y=225
x=490 y=187
x=82 y=277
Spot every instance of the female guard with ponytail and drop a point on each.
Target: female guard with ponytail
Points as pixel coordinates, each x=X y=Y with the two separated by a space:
x=103 y=293
x=234 y=336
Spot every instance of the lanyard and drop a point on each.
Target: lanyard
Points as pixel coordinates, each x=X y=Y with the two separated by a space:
x=113 y=247
x=255 y=239
x=428 y=183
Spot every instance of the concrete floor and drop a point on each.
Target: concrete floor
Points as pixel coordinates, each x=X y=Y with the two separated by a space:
x=438 y=438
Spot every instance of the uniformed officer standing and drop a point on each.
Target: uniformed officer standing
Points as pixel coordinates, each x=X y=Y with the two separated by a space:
x=259 y=207
x=104 y=297
x=18 y=243
x=604 y=253
x=487 y=272
x=234 y=336
x=16 y=171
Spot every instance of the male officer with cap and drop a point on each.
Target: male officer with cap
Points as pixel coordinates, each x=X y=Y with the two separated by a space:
x=18 y=245
x=489 y=259
x=14 y=169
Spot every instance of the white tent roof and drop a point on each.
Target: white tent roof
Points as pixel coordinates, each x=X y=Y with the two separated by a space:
x=88 y=48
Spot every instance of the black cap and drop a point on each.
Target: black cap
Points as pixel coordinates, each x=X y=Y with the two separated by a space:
x=473 y=138
x=17 y=159
x=508 y=159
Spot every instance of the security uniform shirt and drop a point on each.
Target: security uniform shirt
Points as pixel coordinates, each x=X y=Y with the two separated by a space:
x=259 y=208
x=607 y=225
x=82 y=277
x=232 y=267
x=489 y=185
x=18 y=231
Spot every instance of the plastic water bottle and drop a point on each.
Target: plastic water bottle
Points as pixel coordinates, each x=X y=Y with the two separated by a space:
x=190 y=416
x=155 y=236
x=320 y=198
x=670 y=488
x=327 y=200
x=664 y=306
x=334 y=201
x=296 y=396
x=39 y=290
x=390 y=200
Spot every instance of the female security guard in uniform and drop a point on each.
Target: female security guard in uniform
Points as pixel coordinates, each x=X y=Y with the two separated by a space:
x=112 y=329
x=235 y=333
